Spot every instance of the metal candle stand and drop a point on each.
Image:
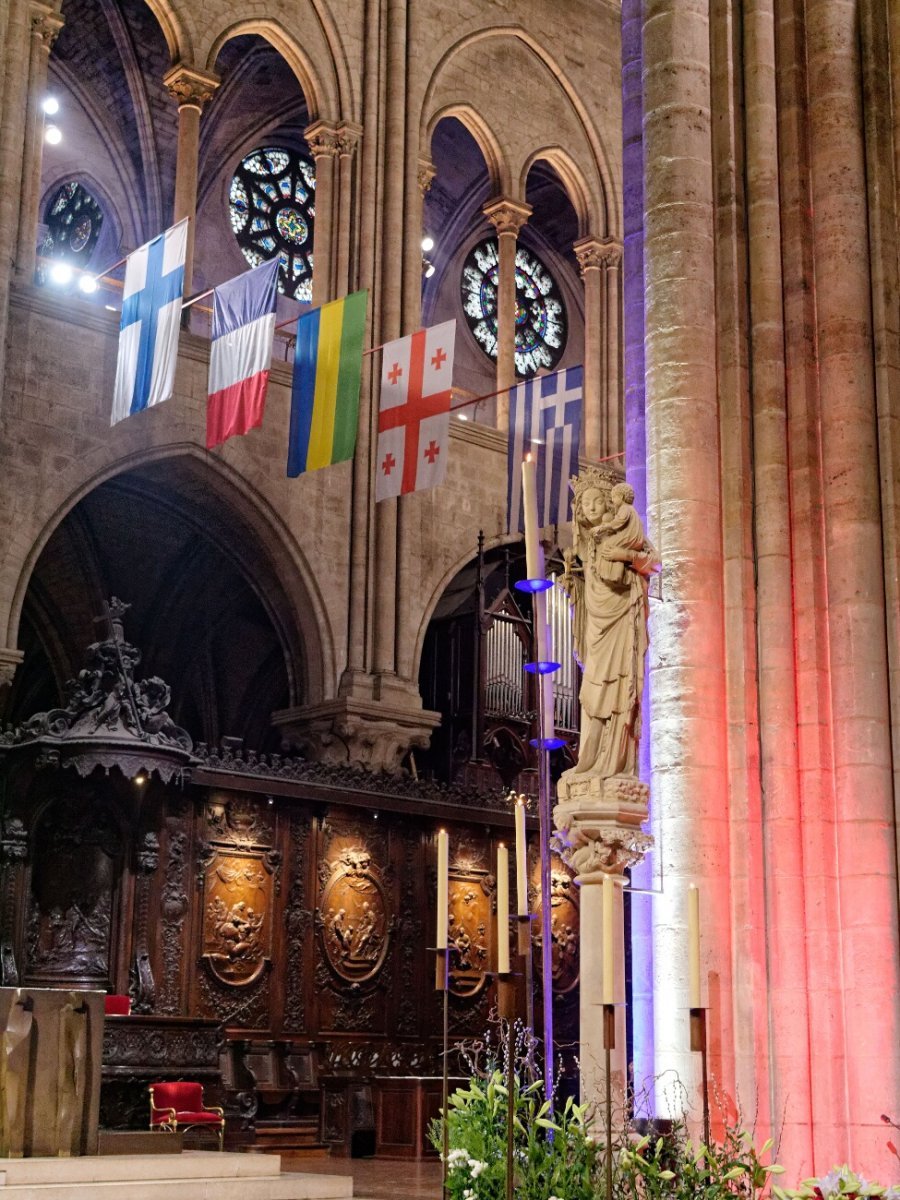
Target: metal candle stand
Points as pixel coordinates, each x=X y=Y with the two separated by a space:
x=698 y=1042
x=506 y=1004
x=442 y=984
x=609 y=1044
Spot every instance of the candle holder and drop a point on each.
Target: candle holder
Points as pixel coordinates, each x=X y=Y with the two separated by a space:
x=609 y=1044
x=533 y=585
x=442 y=984
x=698 y=1042
x=524 y=950
x=506 y=1006
x=545 y=666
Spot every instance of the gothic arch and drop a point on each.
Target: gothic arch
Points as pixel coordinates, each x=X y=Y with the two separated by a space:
x=610 y=216
x=488 y=144
x=177 y=37
x=573 y=181
x=292 y=598
x=326 y=90
x=459 y=563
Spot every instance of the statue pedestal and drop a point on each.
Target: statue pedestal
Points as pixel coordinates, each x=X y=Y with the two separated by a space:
x=598 y=822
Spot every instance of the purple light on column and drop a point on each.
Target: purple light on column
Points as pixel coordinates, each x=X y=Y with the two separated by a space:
x=636 y=471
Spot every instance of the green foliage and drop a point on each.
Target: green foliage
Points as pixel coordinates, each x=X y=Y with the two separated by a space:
x=675 y=1168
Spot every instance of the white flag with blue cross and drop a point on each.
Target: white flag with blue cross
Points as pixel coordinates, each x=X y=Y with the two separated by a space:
x=545 y=421
x=151 y=319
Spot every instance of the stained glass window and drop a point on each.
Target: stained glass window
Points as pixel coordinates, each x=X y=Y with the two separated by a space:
x=73 y=219
x=272 y=209
x=541 y=321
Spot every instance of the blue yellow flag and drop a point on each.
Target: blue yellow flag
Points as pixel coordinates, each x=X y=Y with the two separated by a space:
x=325 y=391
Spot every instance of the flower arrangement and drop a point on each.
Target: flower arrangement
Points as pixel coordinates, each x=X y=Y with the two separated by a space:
x=839 y=1184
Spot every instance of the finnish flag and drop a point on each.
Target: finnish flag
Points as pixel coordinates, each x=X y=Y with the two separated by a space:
x=544 y=420
x=151 y=318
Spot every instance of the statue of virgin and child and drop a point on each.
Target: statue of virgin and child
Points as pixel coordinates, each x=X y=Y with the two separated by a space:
x=606 y=577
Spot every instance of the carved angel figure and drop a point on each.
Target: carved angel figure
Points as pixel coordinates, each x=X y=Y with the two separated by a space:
x=606 y=578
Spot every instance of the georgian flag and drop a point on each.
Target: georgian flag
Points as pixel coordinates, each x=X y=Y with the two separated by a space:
x=545 y=420
x=151 y=319
x=240 y=352
x=414 y=414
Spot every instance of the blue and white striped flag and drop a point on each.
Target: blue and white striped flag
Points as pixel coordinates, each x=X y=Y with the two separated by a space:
x=151 y=318
x=544 y=419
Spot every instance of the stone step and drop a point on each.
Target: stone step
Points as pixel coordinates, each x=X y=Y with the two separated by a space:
x=261 y=1187
x=192 y=1164
x=195 y=1175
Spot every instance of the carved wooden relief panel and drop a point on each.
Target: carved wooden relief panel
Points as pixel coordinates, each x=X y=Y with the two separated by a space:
x=74 y=885
x=237 y=917
x=355 y=923
x=471 y=888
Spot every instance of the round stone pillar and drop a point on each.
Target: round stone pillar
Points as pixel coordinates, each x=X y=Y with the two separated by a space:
x=507 y=217
x=45 y=26
x=860 y=723
x=190 y=89
x=590 y=254
x=687 y=662
x=612 y=306
x=322 y=139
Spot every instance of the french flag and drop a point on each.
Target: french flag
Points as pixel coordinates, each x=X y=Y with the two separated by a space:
x=242 y=329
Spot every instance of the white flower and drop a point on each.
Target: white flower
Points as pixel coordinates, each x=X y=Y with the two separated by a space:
x=476 y=1167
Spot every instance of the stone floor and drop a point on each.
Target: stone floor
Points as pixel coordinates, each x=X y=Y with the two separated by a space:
x=376 y=1179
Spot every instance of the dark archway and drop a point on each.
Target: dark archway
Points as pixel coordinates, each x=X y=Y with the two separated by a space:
x=208 y=609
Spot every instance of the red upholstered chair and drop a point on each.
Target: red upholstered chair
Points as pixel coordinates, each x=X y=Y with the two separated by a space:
x=117 y=1006
x=175 y=1106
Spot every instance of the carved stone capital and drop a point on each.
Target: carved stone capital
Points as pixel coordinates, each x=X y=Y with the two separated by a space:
x=348 y=138
x=610 y=254
x=591 y=254
x=9 y=660
x=507 y=216
x=361 y=733
x=46 y=24
x=598 y=823
x=425 y=174
x=323 y=139
x=189 y=87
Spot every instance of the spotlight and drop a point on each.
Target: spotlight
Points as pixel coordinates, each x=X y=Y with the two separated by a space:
x=61 y=273
x=429 y=270
x=53 y=135
x=140 y=779
x=50 y=105
x=462 y=416
x=427 y=243
x=88 y=284
x=110 y=308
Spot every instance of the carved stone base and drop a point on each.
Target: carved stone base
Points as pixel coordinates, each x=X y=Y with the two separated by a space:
x=365 y=733
x=9 y=661
x=598 y=823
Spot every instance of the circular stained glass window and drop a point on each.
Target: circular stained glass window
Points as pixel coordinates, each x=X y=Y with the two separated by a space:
x=272 y=209
x=73 y=219
x=541 y=322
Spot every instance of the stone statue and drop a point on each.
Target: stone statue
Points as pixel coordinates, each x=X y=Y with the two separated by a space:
x=606 y=577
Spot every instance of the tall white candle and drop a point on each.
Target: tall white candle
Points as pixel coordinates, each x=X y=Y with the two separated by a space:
x=529 y=508
x=443 y=873
x=609 y=959
x=502 y=909
x=539 y=608
x=521 y=862
x=694 y=946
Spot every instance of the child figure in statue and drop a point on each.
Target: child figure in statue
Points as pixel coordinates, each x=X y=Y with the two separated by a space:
x=606 y=578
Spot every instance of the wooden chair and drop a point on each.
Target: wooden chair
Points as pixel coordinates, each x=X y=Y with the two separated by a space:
x=175 y=1106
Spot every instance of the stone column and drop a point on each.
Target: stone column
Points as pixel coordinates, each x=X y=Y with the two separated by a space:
x=45 y=26
x=347 y=141
x=590 y=254
x=860 y=721
x=507 y=216
x=599 y=825
x=322 y=139
x=612 y=304
x=788 y=1015
x=190 y=89
x=687 y=670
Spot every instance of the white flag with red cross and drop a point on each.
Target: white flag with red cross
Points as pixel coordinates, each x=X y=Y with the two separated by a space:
x=414 y=414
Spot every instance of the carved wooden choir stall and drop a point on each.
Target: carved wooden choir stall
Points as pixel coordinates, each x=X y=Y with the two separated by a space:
x=269 y=917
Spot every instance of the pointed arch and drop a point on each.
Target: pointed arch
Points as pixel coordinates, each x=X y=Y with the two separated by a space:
x=611 y=214
x=262 y=548
x=573 y=181
x=323 y=89
x=488 y=143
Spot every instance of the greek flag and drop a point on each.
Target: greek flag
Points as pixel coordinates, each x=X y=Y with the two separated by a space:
x=151 y=318
x=544 y=420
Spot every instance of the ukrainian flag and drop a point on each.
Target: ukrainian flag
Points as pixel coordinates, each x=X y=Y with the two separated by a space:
x=325 y=391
